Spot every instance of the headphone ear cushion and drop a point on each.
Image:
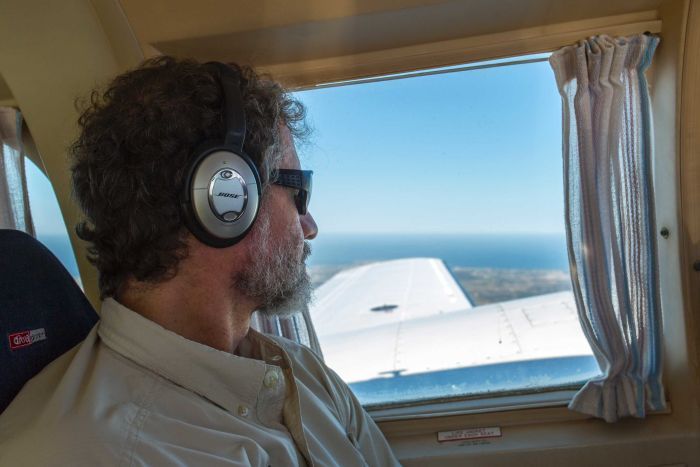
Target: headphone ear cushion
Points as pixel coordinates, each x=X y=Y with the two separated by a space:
x=221 y=195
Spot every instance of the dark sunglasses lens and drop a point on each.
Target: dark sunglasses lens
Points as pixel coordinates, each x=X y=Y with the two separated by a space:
x=302 y=201
x=307 y=196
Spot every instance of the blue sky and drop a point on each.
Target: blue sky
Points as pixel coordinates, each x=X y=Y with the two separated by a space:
x=42 y=199
x=476 y=151
x=467 y=152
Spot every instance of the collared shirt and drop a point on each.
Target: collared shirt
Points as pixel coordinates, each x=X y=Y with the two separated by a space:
x=134 y=393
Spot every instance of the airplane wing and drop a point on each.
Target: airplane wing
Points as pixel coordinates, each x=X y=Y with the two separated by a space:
x=423 y=322
x=384 y=293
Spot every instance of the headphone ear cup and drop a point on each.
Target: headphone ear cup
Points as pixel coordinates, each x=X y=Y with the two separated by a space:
x=221 y=196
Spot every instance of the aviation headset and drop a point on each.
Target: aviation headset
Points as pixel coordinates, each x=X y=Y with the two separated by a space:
x=220 y=197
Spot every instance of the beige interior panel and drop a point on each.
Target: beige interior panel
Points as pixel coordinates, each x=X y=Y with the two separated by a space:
x=358 y=24
x=303 y=43
x=306 y=74
x=317 y=28
x=378 y=31
x=170 y=20
x=689 y=171
x=52 y=53
x=6 y=97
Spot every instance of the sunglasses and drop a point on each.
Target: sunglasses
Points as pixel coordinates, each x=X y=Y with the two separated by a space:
x=301 y=181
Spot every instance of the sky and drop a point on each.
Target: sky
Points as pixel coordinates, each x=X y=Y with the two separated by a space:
x=474 y=151
x=42 y=200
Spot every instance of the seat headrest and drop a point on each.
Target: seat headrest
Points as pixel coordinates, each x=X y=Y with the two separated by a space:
x=43 y=312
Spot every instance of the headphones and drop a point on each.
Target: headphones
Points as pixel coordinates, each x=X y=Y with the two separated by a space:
x=220 y=197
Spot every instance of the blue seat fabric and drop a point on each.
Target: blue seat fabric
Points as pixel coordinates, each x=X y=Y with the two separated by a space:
x=36 y=293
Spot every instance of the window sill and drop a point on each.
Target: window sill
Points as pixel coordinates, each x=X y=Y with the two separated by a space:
x=475 y=405
x=545 y=399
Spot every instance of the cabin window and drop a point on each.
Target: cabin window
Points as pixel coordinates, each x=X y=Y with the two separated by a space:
x=48 y=221
x=440 y=268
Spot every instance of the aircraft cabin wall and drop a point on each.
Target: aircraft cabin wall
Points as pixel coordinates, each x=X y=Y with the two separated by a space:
x=53 y=52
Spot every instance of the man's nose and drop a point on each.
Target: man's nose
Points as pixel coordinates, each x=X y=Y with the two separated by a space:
x=308 y=225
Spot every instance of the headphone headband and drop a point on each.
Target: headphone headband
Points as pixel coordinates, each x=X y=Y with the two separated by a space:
x=234 y=113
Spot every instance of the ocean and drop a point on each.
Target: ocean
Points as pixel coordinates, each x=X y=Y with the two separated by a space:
x=530 y=251
x=498 y=251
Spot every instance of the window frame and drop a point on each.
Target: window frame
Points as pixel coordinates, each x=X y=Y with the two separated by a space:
x=516 y=399
x=322 y=73
x=38 y=235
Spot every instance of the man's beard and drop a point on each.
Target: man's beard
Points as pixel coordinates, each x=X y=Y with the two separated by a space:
x=276 y=276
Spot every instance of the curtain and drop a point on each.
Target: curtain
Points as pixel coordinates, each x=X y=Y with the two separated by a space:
x=14 y=198
x=296 y=327
x=609 y=209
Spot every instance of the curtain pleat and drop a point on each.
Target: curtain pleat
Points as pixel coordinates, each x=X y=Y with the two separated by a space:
x=296 y=327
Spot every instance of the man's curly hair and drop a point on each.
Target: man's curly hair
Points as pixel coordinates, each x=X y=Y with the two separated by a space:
x=136 y=140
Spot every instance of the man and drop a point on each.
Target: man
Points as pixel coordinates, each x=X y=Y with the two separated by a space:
x=173 y=374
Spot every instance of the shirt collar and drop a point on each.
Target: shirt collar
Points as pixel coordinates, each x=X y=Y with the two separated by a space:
x=218 y=376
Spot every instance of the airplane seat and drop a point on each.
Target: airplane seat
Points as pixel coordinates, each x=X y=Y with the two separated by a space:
x=43 y=312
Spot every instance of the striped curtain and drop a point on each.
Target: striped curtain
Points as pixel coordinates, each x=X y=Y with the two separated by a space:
x=607 y=150
x=296 y=327
x=14 y=198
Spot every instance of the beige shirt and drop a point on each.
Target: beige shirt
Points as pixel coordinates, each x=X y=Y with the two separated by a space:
x=134 y=393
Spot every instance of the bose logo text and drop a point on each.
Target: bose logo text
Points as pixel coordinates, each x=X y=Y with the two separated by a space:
x=229 y=195
x=26 y=338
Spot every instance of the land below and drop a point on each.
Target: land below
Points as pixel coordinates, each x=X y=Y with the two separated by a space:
x=486 y=285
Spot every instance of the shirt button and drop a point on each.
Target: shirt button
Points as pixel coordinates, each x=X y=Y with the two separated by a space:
x=242 y=410
x=271 y=379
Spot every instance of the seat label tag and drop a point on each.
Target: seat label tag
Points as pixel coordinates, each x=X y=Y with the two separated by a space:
x=26 y=338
